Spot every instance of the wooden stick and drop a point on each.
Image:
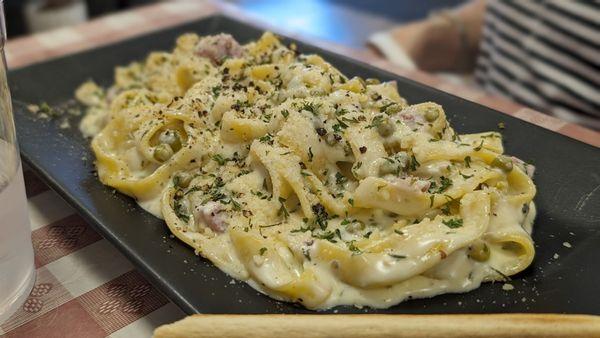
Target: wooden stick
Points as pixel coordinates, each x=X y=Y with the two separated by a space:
x=385 y=326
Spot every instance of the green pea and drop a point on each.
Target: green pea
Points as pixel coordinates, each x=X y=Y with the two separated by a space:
x=182 y=180
x=163 y=152
x=372 y=81
x=431 y=114
x=386 y=128
x=503 y=162
x=479 y=251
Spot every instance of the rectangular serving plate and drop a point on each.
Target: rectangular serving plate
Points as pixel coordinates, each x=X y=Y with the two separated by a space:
x=567 y=177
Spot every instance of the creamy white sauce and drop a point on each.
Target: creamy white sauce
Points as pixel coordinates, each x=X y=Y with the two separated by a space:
x=306 y=184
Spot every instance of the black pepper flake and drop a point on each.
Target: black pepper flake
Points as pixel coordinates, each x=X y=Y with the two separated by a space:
x=321 y=131
x=302 y=165
x=363 y=149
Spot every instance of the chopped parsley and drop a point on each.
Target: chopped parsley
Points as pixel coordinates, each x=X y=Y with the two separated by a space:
x=261 y=195
x=235 y=204
x=466 y=176
x=446 y=208
x=240 y=104
x=468 y=161
x=301 y=229
x=180 y=209
x=46 y=109
x=397 y=256
x=355 y=250
x=453 y=223
x=351 y=120
x=341 y=112
x=306 y=253
x=320 y=215
x=386 y=106
x=311 y=107
x=327 y=235
x=413 y=164
x=282 y=210
x=376 y=121
x=445 y=183
x=342 y=124
x=340 y=179
x=262 y=251
x=270 y=225
x=213 y=191
x=478 y=148
x=219 y=159
x=339 y=127
x=268 y=139
x=216 y=90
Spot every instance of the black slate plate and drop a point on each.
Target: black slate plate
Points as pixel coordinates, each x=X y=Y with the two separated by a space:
x=568 y=180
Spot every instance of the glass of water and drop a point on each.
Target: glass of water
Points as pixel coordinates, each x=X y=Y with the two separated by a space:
x=17 y=271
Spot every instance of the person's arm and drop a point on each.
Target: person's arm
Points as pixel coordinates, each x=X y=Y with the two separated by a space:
x=447 y=40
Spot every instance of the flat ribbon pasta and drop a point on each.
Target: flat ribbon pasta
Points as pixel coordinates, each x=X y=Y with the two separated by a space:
x=310 y=186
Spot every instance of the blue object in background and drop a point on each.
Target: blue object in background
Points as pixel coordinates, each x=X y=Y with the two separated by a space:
x=348 y=22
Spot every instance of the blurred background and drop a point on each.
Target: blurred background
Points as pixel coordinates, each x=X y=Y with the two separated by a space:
x=334 y=20
x=542 y=54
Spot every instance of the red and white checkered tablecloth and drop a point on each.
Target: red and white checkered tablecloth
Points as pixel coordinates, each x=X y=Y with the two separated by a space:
x=84 y=286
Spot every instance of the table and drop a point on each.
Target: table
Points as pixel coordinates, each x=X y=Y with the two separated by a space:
x=84 y=286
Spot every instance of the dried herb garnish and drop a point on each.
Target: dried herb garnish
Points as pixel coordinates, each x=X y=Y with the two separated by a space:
x=320 y=215
x=413 y=164
x=453 y=223
x=267 y=138
x=468 y=161
x=219 y=159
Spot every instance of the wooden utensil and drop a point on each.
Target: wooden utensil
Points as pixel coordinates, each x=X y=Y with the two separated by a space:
x=386 y=326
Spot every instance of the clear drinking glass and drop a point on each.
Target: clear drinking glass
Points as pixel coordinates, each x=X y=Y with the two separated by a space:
x=17 y=271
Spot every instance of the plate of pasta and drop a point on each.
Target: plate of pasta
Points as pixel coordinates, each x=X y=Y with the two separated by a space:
x=310 y=179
